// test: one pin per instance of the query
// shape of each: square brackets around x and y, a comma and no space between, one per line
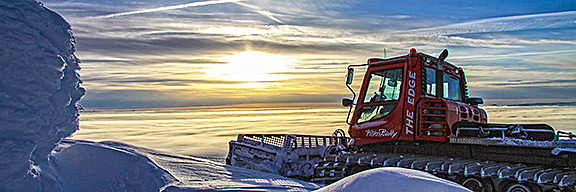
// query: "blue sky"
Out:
[178,53]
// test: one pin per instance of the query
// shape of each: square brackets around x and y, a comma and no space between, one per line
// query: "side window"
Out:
[452,89]
[430,81]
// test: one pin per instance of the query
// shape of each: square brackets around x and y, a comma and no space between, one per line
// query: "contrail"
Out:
[494,57]
[563,19]
[264,13]
[194,4]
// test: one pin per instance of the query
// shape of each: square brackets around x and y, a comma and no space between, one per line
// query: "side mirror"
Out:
[475,101]
[349,76]
[347,102]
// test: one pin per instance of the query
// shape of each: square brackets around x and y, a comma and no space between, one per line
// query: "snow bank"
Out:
[393,179]
[201,174]
[39,87]
[88,166]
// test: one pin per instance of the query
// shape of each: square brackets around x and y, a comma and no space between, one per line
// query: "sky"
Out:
[166,53]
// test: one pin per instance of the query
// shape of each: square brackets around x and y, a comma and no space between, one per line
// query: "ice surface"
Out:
[393,179]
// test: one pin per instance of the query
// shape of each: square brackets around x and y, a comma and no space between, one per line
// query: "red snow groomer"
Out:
[413,111]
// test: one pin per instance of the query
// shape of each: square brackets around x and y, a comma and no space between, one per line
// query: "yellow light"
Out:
[252,66]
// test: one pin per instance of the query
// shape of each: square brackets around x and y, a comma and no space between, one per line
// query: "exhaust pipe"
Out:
[440,74]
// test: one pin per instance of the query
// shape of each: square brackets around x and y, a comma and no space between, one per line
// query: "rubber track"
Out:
[335,167]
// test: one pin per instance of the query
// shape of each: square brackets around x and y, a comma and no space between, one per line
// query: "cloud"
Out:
[500,56]
[546,104]
[535,93]
[264,13]
[151,98]
[539,82]
[556,20]
[166,8]
[163,54]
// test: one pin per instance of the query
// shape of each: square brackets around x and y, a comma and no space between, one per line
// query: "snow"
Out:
[39,87]
[114,166]
[87,166]
[195,173]
[393,179]
[39,90]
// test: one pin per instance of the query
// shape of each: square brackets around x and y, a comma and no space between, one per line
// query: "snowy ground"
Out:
[113,166]
[393,179]
[194,173]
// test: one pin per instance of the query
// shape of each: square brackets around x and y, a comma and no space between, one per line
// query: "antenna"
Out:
[385,53]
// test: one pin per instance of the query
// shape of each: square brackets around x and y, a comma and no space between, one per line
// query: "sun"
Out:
[252,67]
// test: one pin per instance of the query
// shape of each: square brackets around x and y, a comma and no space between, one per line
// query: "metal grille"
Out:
[311,141]
[266,140]
[290,141]
[273,140]
[433,119]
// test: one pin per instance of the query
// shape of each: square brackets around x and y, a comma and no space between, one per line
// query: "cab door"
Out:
[378,115]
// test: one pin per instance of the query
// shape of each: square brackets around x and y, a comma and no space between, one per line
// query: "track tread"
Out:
[339,166]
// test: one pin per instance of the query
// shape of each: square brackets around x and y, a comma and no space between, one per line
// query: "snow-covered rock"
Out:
[393,179]
[39,88]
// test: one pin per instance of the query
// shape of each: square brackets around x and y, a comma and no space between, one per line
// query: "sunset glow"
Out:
[254,68]
[214,52]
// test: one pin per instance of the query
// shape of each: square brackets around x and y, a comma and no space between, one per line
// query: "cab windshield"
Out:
[383,86]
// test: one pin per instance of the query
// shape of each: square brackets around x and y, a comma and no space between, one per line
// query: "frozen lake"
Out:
[205,131]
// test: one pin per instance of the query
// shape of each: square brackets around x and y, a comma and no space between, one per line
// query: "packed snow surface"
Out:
[393,179]
[113,166]
[87,166]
